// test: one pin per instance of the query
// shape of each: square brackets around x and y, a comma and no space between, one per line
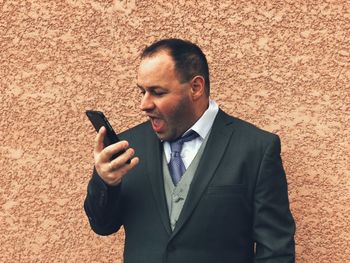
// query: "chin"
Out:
[162,136]
[166,136]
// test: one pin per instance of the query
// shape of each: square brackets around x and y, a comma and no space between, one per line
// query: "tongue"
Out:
[157,124]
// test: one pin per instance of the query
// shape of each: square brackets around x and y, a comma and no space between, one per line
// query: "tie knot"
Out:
[176,146]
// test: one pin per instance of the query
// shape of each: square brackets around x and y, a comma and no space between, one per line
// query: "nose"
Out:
[147,103]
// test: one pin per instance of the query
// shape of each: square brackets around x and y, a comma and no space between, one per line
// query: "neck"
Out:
[202,106]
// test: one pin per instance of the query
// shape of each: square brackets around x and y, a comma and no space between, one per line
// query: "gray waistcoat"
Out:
[176,195]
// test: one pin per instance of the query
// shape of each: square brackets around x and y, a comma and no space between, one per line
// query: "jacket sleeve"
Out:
[103,206]
[273,224]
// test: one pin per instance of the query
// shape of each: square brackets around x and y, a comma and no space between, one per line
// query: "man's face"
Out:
[166,101]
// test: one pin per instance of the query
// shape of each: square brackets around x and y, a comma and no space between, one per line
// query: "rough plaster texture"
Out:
[283,65]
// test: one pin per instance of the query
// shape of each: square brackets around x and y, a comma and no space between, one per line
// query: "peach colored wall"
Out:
[283,65]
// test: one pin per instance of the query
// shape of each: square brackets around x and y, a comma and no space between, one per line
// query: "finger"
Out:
[122,159]
[115,176]
[99,140]
[110,150]
[127,167]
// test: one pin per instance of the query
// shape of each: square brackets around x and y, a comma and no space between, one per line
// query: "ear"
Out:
[197,87]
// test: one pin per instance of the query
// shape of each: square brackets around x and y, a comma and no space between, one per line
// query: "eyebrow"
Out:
[150,88]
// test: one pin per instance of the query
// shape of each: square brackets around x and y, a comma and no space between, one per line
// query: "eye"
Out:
[158,93]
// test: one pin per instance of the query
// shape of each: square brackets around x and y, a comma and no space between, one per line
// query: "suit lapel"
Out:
[155,174]
[214,150]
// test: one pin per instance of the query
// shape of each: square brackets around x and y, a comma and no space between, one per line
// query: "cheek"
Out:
[182,111]
[175,108]
[168,107]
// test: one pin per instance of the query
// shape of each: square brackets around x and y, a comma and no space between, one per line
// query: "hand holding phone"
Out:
[98,119]
[108,147]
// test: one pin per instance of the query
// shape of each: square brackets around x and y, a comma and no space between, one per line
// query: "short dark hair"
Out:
[189,59]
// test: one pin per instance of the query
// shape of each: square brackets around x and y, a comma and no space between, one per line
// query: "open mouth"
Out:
[158,124]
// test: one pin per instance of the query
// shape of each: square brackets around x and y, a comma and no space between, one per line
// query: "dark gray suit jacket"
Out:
[238,198]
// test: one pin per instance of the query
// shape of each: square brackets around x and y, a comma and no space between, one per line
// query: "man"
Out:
[221,198]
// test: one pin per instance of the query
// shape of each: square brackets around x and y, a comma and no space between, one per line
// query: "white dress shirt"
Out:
[202,127]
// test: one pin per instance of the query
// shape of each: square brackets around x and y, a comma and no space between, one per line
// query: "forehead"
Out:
[158,67]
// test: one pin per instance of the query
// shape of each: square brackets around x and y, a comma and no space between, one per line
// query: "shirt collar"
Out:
[205,122]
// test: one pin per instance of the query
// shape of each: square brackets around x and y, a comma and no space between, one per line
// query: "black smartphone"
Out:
[98,119]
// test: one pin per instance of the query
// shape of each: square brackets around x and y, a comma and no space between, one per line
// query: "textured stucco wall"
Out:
[283,65]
